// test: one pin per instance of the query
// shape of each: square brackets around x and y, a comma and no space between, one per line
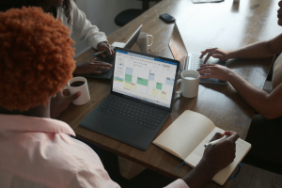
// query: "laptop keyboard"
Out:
[109,59]
[140,114]
[196,62]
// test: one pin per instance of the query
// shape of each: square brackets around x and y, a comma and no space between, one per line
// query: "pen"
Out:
[216,141]
[97,53]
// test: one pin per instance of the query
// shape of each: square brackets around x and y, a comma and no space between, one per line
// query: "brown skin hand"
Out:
[215,158]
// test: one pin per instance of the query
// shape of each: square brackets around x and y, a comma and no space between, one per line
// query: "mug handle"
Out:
[152,41]
[179,81]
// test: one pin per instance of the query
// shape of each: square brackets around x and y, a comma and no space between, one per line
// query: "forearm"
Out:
[253,51]
[199,176]
[216,157]
[257,98]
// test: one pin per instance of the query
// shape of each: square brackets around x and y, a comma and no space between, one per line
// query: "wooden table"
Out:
[226,25]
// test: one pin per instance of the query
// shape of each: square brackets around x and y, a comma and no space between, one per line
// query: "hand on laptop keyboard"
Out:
[104,46]
[92,67]
[215,53]
[103,73]
[110,60]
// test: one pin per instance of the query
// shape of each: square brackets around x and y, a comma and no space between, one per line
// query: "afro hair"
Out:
[36,58]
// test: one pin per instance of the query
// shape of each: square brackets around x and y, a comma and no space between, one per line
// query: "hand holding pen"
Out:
[104,47]
[215,141]
[217,155]
[221,150]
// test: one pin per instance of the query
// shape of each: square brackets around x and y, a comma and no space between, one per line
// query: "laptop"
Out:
[107,74]
[140,101]
[190,61]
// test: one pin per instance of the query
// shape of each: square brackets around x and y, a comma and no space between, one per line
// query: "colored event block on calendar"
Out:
[163,95]
[169,81]
[151,76]
[128,78]
[118,79]
[155,92]
[130,86]
[159,86]
[142,81]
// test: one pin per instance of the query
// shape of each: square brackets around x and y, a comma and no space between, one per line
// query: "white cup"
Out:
[79,84]
[189,83]
[143,43]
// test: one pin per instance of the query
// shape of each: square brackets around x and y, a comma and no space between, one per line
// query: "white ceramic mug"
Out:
[143,43]
[189,83]
[79,84]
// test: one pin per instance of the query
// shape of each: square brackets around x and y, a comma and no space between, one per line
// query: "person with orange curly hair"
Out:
[36,62]
[73,18]
[37,151]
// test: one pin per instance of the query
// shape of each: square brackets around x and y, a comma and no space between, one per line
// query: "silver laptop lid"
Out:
[148,78]
[177,47]
[133,38]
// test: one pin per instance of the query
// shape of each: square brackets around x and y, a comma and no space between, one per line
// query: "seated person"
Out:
[265,133]
[76,21]
[37,151]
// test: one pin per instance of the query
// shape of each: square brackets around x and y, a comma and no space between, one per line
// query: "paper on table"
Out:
[186,137]
[118,44]
[185,133]
[242,148]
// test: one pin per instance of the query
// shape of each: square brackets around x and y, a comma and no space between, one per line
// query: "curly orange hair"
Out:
[36,58]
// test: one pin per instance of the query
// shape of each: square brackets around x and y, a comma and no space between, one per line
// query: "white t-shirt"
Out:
[80,26]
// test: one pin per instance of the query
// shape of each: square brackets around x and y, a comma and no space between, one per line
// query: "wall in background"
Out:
[102,14]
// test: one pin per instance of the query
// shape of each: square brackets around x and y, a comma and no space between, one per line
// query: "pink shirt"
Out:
[38,152]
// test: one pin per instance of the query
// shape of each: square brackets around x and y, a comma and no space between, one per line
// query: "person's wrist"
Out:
[102,43]
[208,167]
[231,76]
[230,55]
[99,44]
[200,175]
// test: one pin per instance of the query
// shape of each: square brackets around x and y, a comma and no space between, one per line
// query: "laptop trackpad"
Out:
[118,128]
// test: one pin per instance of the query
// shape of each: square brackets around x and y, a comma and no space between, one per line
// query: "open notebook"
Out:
[186,136]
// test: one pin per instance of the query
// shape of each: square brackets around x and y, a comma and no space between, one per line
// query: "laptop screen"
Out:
[144,77]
